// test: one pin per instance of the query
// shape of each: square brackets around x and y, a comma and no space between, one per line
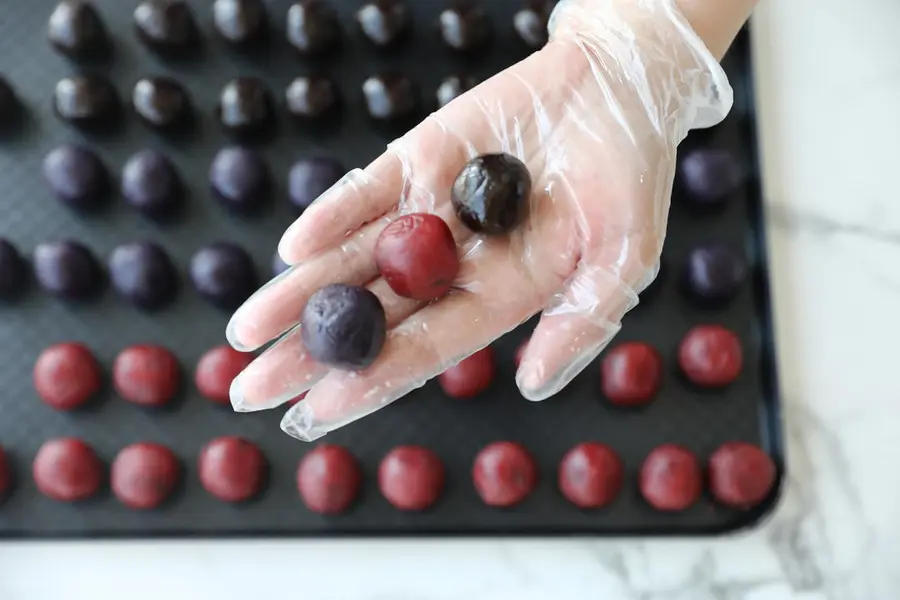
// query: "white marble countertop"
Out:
[829,88]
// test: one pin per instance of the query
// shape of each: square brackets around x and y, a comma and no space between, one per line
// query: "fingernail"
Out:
[299,423]
[231,334]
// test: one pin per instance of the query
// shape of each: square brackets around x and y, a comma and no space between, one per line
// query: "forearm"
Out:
[716,22]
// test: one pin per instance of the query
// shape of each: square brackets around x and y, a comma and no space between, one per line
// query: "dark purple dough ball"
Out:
[13,274]
[710,175]
[67,270]
[311,177]
[278,265]
[76,176]
[715,271]
[143,274]
[151,184]
[223,274]
[344,326]
[240,179]
[452,87]
[383,22]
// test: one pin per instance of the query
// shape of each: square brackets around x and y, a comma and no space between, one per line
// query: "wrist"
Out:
[650,51]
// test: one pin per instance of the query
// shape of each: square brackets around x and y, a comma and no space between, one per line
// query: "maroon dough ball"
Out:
[67,470]
[710,356]
[631,374]
[469,377]
[416,256]
[5,474]
[329,479]
[671,479]
[590,475]
[66,375]
[741,475]
[144,475]
[411,477]
[504,474]
[216,369]
[232,469]
[147,375]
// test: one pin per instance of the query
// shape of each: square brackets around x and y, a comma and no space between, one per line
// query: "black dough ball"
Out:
[383,22]
[240,179]
[344,326]
[240,22]
[151,184]
[143,274]
[9,104]
[530,23]
[453,87]
[67,270]
[161,103]
[13,271]
[491,193]
[76,177]
[390,96]
[313,28]
[223,274]
[76,30]
[311,97]
[715,272]
[310,178]
[165,26]
[245,106]
[465,26]
[85,100]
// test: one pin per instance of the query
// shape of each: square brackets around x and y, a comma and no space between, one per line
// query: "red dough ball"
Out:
[590,475]
[5,474]
[504,474]
[67,470]
[671,479]
[232,469]
[66,375]
[144,475]
[741,475]
[294,401]
[329,479]
[411,477]
[710,356]
[631,374]
[217,369]
[469,377]
[416,255]
[146,374]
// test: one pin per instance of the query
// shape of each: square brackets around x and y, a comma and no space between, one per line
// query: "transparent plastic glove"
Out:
[596,117]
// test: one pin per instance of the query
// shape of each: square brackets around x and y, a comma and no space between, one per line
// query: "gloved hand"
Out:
[596,116]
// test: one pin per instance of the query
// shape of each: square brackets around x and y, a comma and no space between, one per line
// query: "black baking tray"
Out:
[456,430]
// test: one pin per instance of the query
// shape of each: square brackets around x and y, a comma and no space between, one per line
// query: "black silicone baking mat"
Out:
[455,430]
